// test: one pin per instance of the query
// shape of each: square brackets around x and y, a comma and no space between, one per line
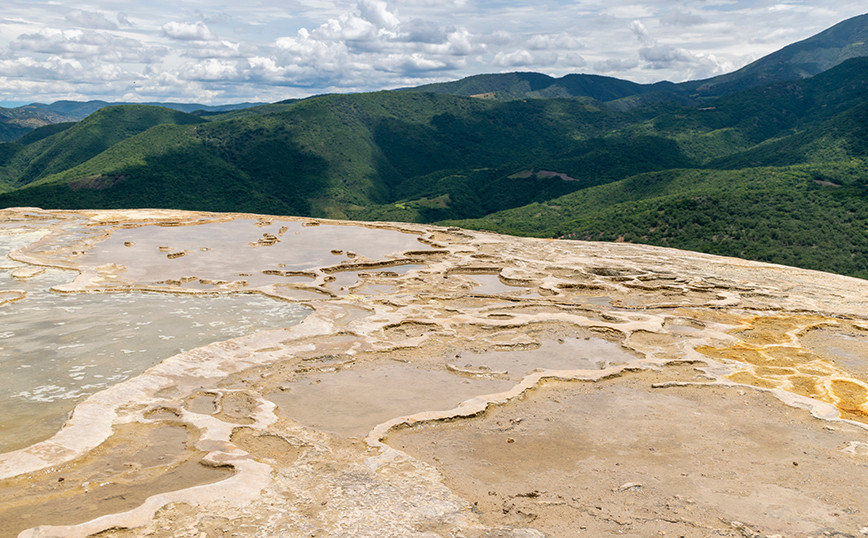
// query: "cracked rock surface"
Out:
[450,383]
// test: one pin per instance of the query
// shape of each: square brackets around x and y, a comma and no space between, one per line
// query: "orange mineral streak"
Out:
[774,356]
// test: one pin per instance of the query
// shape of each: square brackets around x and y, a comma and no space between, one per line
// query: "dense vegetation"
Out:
[18,121]
[775,173]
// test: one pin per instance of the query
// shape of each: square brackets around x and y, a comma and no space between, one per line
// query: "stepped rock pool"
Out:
[56,349]
[185,286]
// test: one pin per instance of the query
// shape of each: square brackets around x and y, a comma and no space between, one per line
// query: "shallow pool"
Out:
[56,349]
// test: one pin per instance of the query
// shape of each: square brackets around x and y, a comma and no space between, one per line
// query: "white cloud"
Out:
[641,33]
[457,43]
[415,63]
[525,58]
[423,31]
[57,68]
[378,13]
[560,41]
[212,70]
[629,11]
[572,60]
[75,43]
[197,31]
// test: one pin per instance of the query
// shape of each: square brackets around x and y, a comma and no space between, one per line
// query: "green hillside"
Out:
[513,86]
[812,216]
[797,193]
[39,156]
[774,173]
[18,121]
[336,155]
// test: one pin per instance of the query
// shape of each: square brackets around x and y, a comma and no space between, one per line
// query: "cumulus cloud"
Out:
[347,27]
[196,31]
[660,57]
[572,60]
[377,12]
[219,48]
[414,63]
[560,41]
[524,58]
[304,50]
[57,68]
[457,43]
[213,70]
[370,38]
[641,33]
[657,56]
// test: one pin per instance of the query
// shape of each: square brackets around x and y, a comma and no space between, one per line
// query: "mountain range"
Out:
[18,121]
[766,163]
[847,39]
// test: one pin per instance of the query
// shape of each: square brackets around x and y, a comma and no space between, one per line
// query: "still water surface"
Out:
[56,349]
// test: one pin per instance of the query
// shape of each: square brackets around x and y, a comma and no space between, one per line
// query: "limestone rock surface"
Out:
[449,382]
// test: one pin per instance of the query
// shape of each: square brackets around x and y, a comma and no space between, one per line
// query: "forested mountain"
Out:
[775,173]
[16,122]
[512,86]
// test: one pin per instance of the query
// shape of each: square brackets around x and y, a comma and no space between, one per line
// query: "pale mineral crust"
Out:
[453,383]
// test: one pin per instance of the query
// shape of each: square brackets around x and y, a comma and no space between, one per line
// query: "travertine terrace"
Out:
[452,383]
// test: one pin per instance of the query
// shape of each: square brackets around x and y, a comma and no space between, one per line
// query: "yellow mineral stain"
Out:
[849,394]
[775,358]
[749,378]
[762,331]
[768,371]
[790,355]
[804,385]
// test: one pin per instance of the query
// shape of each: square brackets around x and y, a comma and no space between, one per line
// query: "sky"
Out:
[215,52]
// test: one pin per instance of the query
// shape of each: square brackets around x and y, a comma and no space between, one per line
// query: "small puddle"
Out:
[357,281]
[571,353]
[492,285]
[351,401]
[203,404]
[846,347]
